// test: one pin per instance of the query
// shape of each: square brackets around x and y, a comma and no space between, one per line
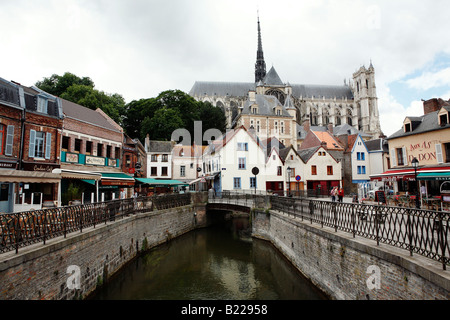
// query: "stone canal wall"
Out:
[72,267]
[348,268]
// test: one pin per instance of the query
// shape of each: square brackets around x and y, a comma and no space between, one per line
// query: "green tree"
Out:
[162,124]
[57,85]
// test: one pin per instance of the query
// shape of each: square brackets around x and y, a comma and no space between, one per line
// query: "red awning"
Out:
[394,175]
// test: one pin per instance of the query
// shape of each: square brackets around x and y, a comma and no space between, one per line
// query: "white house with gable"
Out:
[228,162]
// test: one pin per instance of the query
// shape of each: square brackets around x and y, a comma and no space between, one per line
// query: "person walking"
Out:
[333,194]
[341,194]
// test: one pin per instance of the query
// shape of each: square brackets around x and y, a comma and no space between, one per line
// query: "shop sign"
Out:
[96,161]
[41,167]
[112,162]
[8,165]
[72,157]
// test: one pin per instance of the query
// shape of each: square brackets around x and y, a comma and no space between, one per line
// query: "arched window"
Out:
[278,94]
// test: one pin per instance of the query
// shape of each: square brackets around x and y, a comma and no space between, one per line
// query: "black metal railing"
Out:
[25,228]
[424,232]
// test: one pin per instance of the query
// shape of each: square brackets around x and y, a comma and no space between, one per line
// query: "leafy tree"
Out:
[162,124]
[82,91]
[57,85]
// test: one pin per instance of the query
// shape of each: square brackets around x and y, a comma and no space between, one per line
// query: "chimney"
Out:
[252,96]
[431,105]
[306,125]
[330,127]
[324,145]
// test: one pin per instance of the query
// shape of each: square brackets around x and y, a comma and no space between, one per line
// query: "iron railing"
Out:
[424,232]
[25,228]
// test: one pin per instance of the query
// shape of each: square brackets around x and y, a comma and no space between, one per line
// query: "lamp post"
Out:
[415,164]
[289,180]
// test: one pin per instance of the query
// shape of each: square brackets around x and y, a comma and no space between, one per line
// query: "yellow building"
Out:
[426,139]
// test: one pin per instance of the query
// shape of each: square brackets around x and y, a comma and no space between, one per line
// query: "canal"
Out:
[214,263]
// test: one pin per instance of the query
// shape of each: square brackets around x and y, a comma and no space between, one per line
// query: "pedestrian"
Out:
[333,194]
[341,194]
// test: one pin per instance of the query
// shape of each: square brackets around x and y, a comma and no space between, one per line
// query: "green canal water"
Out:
[213,263]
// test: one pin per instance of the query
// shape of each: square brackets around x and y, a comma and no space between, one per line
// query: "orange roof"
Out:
[324,136]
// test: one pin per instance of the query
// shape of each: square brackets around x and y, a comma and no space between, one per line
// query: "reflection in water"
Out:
[210,264]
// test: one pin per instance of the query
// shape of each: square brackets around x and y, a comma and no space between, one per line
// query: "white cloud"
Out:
[429,80]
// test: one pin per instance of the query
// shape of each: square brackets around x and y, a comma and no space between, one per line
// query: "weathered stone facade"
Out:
[342,266]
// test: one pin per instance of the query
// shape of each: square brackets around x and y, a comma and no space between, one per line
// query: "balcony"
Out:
[83,159]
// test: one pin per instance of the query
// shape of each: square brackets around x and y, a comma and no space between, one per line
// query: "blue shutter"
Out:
[9,141]
[32,143]
[48,145]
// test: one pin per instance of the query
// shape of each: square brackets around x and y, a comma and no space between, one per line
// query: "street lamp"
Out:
[289,180]
[415,164]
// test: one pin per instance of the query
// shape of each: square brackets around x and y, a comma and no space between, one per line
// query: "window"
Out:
[443,119]
[6,139]
[88,147]
[447,152]
[116,151]
[401,156]
[242,146]
[42,104]
[254,110]
[279,171]
[165,158]
[330,170]
[153,171]
[65,143]
[314,170]
[361,170]
[282,126]
[99,149]
[108,151]
[164,171]
[40,144]
[237,183]
[257,126]
[242,164]
[407,127]
[154,158]
[182,171]
[360,156]
[253,182]
[78,145]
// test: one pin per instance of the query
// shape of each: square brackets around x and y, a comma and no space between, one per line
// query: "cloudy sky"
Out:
[139,48]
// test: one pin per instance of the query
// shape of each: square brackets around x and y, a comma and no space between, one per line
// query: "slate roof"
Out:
[377,145]
[272,78]
[78,112]
[266,106]
[160,146]
[306,154]
[241,89]
[425,123]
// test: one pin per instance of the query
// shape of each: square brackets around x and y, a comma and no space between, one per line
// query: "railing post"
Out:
[353,220]
[334,204]
[17,232]
[441,239]
[64,215]
[409,231]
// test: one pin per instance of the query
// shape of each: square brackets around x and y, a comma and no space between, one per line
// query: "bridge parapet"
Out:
[423,232]
[25,228]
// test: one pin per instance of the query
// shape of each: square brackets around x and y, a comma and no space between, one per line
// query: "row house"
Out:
[230,163]
[91,156]
[424,141]
[31,122]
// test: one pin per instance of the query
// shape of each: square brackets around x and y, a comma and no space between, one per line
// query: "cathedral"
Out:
[274,108]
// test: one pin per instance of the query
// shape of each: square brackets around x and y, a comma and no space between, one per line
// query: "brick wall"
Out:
[340,265]
[40,271]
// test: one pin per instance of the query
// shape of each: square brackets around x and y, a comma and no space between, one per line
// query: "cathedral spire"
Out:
[260,66]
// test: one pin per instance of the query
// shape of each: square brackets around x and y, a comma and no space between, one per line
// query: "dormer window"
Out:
[443,119]
[443,116]
[254,110]
[42,104]
[407,127]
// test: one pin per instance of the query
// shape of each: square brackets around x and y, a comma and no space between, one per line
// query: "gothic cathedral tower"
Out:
[366,101]
[260,66]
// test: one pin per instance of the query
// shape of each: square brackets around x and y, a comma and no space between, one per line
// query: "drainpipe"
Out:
[22,127]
